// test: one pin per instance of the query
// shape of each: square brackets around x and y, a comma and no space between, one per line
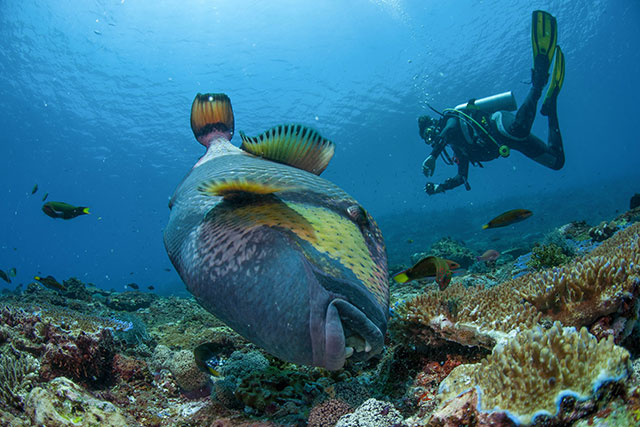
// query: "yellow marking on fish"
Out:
[343,241]
[276,214]
[227,187]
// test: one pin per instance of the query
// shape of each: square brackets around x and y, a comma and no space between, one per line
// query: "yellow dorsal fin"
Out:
[293,145]
[234,187]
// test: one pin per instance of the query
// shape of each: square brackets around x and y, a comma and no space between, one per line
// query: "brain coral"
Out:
[529,375]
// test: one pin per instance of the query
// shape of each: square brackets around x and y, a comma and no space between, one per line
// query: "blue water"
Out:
[95,99]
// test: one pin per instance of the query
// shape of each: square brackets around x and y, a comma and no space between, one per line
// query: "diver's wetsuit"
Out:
[505,128]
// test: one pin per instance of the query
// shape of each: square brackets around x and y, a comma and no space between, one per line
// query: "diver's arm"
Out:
[443,136]
[453,182]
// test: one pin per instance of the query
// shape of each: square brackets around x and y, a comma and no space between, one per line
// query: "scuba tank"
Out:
[503,101]
[473,110]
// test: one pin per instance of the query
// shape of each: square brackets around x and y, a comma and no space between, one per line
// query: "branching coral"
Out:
[531,373]
[17,375]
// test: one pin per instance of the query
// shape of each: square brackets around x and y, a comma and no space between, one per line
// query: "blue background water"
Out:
[95,99]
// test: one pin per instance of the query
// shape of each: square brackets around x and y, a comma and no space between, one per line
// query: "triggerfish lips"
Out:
[292,271]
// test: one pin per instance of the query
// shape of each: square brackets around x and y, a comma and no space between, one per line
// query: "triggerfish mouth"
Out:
[285,258]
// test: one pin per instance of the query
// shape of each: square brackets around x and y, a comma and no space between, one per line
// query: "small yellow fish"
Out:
[63,210]
[429,267]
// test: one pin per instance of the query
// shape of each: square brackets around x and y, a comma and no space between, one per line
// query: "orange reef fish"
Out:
[489,256]
[51,283]
[63,210]
[430,267]
[508,218]
[287,259]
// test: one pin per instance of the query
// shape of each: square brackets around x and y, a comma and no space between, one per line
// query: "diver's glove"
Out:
[430,188]
[429,166]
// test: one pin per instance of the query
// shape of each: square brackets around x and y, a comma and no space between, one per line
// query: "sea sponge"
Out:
[530,374]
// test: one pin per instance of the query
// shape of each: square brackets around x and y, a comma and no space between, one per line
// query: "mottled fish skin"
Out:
[293,271]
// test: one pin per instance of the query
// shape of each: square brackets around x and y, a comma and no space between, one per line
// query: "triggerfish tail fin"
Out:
[293,145]
[233,188]
[401,277]
[212,117]
[85,210]
[484,227]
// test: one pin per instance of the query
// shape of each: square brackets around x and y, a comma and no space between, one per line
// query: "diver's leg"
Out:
[543,38]
[521,126]
[550,154]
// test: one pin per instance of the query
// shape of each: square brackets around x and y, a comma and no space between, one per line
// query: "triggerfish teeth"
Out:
[285,258]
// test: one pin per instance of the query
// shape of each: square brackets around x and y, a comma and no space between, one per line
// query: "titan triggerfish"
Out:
[287,259]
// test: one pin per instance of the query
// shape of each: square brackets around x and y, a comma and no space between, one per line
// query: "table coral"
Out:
[530,374]
[596,285]
[605,281]
[472,316]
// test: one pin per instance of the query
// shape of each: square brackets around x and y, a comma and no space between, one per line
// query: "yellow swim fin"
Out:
[557,79]
[544,36]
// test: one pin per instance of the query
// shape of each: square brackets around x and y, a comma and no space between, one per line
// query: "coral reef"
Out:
[138,366]
[603,231]
[62,403]
[530,374]
[372,413]
[184,369]
[327,413]
[598,284]
[451,249]
[603,282]
[240,365]
[550,255]
[17,376]
[130,300]
[472,316]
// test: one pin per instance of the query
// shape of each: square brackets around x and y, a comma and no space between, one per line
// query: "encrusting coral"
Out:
[531,373]
[603,282]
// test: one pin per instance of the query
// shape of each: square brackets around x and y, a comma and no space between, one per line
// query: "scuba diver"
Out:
[485,129]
